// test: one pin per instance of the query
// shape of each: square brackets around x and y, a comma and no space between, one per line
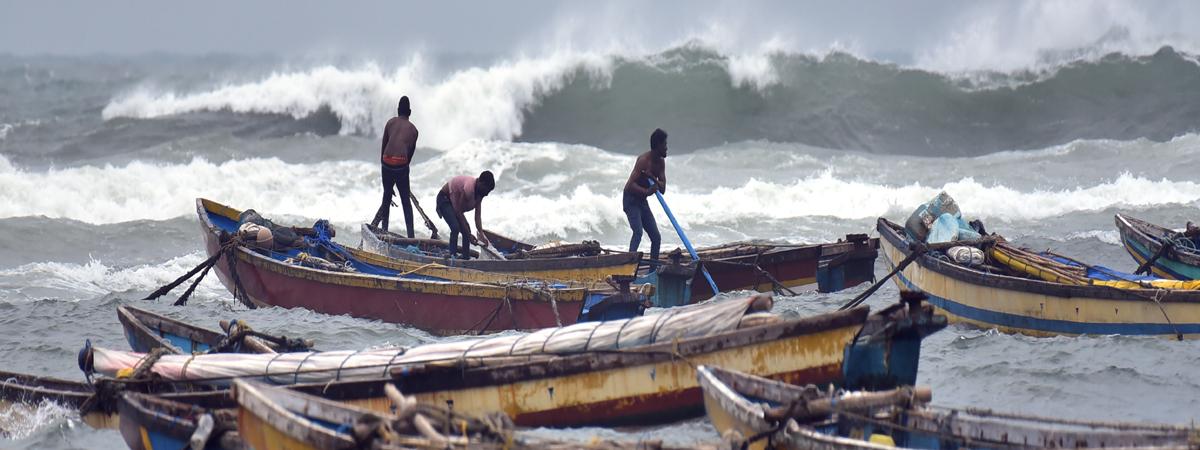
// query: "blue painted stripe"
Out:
[163,441]
[1051,325]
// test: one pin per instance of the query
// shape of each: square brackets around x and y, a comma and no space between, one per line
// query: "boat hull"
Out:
[149,422]
[145,429]
[662,391]
[655,384]
[1039,308]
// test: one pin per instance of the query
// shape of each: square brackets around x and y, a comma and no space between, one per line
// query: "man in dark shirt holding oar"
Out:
[399,144]
[650,165]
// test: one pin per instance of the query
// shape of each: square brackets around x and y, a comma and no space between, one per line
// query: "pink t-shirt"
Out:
[462,193]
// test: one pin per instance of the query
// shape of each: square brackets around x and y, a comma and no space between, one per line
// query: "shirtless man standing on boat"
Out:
[650,165]
[399,144]
[459,195]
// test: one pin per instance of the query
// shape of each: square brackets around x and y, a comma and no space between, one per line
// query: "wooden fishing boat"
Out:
[279,418]
[147,331]
[22,391]
[1037,307]
[439,299]
[150,422]
[656,383]
[1144,241]
[98,402]
[763,267]
[761,413]
[274,418]
[589,264]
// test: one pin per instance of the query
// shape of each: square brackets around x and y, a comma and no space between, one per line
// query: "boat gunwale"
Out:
[134,319]
[615,259]
[24,388]
[782,254]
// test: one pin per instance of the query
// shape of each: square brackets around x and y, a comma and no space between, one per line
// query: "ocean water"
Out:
[101,158]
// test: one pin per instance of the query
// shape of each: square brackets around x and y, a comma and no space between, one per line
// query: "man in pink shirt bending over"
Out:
[459,195]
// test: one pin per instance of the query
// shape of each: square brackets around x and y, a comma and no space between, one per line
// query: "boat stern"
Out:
[887,351]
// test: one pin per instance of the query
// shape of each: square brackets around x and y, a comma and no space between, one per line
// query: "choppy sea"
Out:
[101,159]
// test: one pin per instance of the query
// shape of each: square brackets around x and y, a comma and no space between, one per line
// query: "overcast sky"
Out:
[488,27]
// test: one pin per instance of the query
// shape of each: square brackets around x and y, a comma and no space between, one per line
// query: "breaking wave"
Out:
[706,97]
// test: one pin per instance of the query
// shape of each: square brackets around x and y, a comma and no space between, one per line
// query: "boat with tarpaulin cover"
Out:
[634,371]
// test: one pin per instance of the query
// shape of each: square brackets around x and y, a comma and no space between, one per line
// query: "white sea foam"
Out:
[1111,237]
[95,278]
[544,189]
[21,421]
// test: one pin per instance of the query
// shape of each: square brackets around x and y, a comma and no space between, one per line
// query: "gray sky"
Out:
[395,29]
[375,27]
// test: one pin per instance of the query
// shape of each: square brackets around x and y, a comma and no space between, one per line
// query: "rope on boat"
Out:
[229,246]
[1158,294]
[553,304]
[776,286]
[239,331]
[477,330]
[508,304]
[202,268]
[418,269]
[779,287]
[1145,268]
[917,251]
[428,223]
[554,307]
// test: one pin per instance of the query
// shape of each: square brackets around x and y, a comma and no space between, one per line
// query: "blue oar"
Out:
[686,242]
